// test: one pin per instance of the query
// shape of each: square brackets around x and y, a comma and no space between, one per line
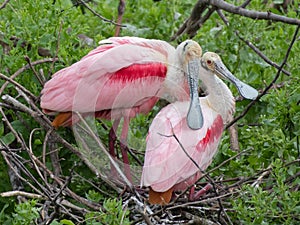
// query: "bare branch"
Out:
[34,71]
[251,13]
[4,4]
[98,15]
[20,193]
[272,82]
[21,70]
[260,54]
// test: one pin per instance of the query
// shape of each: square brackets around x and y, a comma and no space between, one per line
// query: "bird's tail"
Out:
[161,198]
[62,119]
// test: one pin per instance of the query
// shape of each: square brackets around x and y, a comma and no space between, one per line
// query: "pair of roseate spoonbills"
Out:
[126,76]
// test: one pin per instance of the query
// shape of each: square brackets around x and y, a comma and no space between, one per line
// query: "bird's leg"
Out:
[124,148]
[112,143]
[113,138]
[194,196]
[121,9]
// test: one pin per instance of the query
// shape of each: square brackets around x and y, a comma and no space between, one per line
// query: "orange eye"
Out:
[209,62]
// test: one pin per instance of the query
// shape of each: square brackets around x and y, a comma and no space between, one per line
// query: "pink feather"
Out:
[123,75]
[166,164]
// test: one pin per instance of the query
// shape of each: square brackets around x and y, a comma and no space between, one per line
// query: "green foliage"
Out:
[24,214]
[270,130]
[113,214]
[272,206]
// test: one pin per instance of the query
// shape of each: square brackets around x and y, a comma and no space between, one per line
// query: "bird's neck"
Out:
[220,97]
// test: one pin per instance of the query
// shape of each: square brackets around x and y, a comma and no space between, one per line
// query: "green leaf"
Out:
[8,138]
[1,129]
[67,222]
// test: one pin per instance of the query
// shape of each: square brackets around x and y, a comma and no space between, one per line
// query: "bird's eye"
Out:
[209,62]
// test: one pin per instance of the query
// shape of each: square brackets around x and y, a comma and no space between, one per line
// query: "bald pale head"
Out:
[189,50]
[212,62]
[189,53]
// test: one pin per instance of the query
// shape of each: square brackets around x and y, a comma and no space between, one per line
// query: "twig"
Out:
[251,13]
[57,48]
[4,4]
[252,46]
[259,179]
[228,160]
[24,68]
[101,146]
[34,71]
[245,4]
[9,154]
[17,85]
[14,132]
[203,200]
[234,138]
[20,193]
[272,82]
[191,25]
[98,15]
[32,156]
[261,55]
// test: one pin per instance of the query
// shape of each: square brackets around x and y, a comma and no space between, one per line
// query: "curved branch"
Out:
[251,13]
[264,92]
[4,4]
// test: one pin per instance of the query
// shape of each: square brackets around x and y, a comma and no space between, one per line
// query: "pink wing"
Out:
[120,73]
[166,164]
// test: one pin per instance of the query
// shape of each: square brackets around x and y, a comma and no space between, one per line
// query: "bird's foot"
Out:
[195,196]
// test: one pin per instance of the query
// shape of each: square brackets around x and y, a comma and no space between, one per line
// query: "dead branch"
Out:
[20,193]
[261,55]
[98,15]
[234,138]
[21,70]
[4,4]
[264,92]
[251,13]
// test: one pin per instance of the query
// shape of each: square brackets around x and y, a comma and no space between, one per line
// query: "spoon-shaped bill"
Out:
[245,90]
[194,117]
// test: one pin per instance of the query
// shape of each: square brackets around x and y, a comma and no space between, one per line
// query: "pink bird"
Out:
[123,77]
[167,167]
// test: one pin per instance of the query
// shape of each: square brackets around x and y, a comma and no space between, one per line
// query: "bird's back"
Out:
[120,73]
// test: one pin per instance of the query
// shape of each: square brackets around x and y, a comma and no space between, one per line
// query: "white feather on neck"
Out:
[219,96]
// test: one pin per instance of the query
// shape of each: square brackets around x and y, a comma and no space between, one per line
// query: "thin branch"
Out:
[14,132]
[98,15]
[24,68]
[260,54]
[101,146]
[245,4]
[271,84]
[4,4]
[17,85]
[34,71]
[251,13]
[21,193]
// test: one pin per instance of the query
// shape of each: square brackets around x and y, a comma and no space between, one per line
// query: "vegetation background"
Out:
[258,181]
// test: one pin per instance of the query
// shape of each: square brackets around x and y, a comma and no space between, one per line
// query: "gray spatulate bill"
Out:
[194,117]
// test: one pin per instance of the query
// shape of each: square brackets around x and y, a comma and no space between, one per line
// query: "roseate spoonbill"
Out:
[123,77]
[167,167]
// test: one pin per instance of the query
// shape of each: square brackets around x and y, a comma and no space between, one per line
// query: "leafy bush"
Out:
[259,185]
